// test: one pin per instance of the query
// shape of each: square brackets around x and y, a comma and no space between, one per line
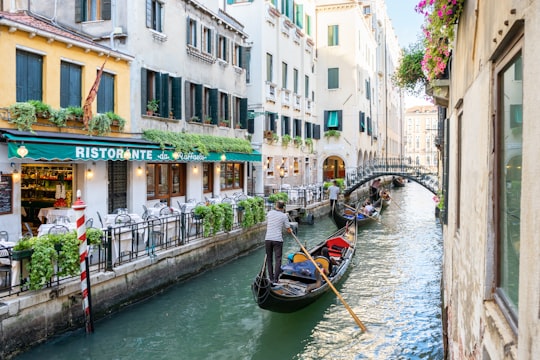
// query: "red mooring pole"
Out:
[79,206]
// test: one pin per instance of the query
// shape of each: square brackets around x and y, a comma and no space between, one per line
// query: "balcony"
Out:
[270,91]
[286,97]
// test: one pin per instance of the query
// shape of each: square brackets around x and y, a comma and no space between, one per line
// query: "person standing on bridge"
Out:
[276,221]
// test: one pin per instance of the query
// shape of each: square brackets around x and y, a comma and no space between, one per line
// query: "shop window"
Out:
[231,175]
[208,177]
[164,181]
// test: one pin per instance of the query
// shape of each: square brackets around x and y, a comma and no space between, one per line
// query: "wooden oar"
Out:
[394,202]
[356,211]
[360,324]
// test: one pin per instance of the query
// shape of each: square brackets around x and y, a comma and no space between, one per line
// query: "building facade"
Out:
[420,132]
[491,261]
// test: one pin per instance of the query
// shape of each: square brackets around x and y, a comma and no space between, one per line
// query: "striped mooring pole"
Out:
[79,206]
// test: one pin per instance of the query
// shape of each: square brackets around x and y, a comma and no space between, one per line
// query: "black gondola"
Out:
[300,284]
[341,217]
[398,181]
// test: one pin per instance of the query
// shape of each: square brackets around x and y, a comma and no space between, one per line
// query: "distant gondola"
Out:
[300,284]
[398,181]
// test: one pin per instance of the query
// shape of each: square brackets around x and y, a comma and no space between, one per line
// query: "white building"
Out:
[421,127]
[281,89]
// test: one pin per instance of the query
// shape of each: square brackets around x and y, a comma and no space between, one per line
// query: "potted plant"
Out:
[23,249]
[279,196]
[74,113]
[224,123]
[297,140]
[59,117]
[228,216]
[285,140]
[152,107]
[309,143]
[274,138]
[100,124]
[116,120]
[332,133]
[43,110]
[194,118]
[248,219]
[207,120]
[23,115]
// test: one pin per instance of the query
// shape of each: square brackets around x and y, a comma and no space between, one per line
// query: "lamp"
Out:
[175,155]
[15,172]
[127,154]
[89,174]
[22,151]
[139,170]
[281,174]
[223,157]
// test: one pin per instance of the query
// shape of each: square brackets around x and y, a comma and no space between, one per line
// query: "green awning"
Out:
[333,120]
[95,149]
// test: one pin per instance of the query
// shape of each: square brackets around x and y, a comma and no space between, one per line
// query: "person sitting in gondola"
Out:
[318,282]
[368,208]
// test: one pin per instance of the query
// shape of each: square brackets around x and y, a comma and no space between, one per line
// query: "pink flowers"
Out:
[440,18]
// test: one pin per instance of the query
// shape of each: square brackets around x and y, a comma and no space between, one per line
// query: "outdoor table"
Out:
[51,213]
[44,228]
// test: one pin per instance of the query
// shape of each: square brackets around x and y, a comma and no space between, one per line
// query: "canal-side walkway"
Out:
[32,317]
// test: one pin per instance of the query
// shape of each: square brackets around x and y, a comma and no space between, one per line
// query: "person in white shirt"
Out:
[333,194]
[277,221]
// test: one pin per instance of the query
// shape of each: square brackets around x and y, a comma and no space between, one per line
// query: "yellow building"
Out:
[42,158]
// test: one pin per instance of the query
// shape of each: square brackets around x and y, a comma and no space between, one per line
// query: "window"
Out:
[308,25]
[70,84]
[164,181]
[306,87]
[295,81]
[192,34]
[224,107]
[333,78]
[237,55]
[333,35]
[299,15]
[231,175]
[285,125]
[362,121]
[284,71]
[29,74]
[208,177]
[92,10]
[206,39]
[154,15]
[509,149]
[368,89]
[269,68]
[222,48]
[287,8]
[105,95]
[163,88]
[332,120]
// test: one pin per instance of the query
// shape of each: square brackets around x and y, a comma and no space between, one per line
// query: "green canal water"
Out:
[393,287]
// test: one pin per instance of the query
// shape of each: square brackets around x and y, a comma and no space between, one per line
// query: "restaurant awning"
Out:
[65,146]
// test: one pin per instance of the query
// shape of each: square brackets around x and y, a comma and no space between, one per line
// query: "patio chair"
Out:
[29,232]
[5,267]
[100,219]
[58,229]
[4,236]
[155,234]
[123,219]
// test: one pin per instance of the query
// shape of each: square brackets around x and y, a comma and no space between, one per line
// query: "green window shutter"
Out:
[332,119]
[333,78]
[105,95]
[106,10]
[64,85]
[176,97]
[163,95]
[214,111]
[188,33]
[230,2]
[340,119]
[199,101]
[316,131]
[299,16]
[243,112]
[144,87]
[226,108]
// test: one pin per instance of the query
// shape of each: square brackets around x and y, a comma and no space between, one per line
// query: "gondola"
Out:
[398,182]
[341,216]
[299,283]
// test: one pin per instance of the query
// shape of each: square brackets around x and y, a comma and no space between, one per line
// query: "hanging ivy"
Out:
[184,142]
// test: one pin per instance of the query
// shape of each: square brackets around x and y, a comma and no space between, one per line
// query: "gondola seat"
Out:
[336,246]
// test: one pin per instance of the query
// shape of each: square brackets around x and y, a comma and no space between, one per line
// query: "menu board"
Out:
[6,194]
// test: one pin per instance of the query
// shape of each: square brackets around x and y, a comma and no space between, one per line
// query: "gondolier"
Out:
[277,221]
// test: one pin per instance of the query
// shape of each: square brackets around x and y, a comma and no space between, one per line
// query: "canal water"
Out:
[393,287]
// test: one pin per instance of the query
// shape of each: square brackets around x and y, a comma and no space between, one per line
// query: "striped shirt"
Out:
[276,222]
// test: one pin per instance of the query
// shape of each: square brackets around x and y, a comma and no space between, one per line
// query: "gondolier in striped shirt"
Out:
[277,221]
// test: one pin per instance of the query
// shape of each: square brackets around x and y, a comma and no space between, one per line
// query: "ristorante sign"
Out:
[39,151]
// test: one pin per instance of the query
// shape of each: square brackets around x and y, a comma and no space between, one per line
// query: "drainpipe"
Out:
[114,29]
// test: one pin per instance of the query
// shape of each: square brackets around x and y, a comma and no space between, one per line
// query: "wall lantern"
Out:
[127,154]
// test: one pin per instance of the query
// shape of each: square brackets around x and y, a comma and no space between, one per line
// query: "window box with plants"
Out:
[22,115]
[297,141]
[285,140]
[43,111]
[332,133]
[224,123]
[116,120]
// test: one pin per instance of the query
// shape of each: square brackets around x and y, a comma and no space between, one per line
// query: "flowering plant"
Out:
[440,17]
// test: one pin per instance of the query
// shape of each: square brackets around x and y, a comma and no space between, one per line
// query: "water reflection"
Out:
[393,287]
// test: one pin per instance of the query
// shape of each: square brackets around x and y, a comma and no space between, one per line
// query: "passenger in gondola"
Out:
[318,277]
[369,209]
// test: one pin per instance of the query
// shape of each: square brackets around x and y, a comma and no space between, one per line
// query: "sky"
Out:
[407,25]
